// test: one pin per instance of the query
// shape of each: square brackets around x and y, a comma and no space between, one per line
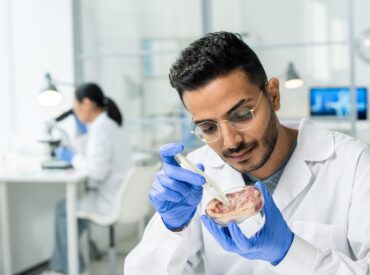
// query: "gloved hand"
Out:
[64,153]
[176,192]
[270,244]
[81,127]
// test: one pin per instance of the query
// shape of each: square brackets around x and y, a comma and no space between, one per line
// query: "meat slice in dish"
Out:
[245,201]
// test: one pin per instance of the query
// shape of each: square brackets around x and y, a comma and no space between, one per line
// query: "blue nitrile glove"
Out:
[81,128]
[64,153]
[270,244]
[176,192]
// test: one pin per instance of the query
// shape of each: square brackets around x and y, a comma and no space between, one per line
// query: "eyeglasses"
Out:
[240,119]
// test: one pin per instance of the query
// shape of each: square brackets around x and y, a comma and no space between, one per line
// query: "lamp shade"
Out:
[49,96]
[293,80]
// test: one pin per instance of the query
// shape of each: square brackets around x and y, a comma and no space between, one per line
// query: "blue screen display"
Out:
[336,102]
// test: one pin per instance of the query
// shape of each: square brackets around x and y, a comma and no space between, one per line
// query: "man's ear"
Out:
[272,90]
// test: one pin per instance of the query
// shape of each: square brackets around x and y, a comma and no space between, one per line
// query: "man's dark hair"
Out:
[211,56]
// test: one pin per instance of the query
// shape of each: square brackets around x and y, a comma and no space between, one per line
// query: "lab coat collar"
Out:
[98,119]
[314,144]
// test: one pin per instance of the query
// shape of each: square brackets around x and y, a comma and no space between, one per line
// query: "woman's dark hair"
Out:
[93,92]
[211,56]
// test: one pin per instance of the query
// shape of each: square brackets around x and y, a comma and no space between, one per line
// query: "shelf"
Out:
[146,53]
[330,119]
[128,54]
[299,45]
[153,120]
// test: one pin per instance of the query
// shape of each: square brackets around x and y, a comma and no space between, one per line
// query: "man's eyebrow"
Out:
[196,122]
[236,106]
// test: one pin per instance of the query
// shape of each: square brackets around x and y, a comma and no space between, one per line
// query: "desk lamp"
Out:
[49,96]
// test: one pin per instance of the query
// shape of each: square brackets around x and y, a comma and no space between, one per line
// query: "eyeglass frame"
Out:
[217,123]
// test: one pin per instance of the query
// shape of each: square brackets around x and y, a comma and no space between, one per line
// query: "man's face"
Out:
[246,151]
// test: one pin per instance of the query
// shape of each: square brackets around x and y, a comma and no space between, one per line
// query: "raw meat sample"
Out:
[245,202]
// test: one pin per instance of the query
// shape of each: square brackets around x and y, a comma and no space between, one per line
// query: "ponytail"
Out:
[113,111]
[93,92]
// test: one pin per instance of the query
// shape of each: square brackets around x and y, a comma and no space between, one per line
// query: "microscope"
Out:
[54,141]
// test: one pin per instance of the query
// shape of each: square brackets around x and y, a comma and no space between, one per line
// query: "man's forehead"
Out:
[204,109]
[219,96]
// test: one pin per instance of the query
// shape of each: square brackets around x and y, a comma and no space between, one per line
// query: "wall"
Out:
[5,72]
[4,79]
[42,42]
[37,39]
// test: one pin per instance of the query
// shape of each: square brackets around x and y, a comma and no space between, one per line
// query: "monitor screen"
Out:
[336,102]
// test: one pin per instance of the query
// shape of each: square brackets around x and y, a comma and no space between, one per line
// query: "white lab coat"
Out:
[323,194]
[105,160]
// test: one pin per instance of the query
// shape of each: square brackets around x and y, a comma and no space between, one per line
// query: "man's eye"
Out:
[241,115]
[207,128]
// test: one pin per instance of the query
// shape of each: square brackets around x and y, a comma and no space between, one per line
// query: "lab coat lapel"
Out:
[295,178]
[314,144]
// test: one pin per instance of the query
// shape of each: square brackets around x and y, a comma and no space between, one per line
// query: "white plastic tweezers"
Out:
[211,186]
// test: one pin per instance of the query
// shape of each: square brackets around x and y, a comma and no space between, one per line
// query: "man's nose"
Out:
[231,137]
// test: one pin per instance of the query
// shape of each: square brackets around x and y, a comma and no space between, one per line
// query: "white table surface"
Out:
[28,174]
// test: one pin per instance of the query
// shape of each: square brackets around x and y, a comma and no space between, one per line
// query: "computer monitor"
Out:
[336,102]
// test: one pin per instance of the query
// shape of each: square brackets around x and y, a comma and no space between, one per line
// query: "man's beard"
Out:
[268,142]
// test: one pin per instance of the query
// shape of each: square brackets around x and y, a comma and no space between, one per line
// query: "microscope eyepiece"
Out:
[64,115]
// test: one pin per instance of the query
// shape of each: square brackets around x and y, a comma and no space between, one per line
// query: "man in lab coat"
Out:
[315,182]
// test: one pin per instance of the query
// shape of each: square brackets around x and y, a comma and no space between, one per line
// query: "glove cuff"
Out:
[174,229]
[180,227]
[286,249]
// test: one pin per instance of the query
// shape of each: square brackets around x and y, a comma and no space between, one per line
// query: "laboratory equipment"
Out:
[54,142]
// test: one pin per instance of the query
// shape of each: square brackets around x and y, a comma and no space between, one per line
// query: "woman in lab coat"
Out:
[315,214]
[103,155]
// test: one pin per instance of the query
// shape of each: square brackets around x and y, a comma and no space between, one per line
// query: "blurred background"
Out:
[127,47]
